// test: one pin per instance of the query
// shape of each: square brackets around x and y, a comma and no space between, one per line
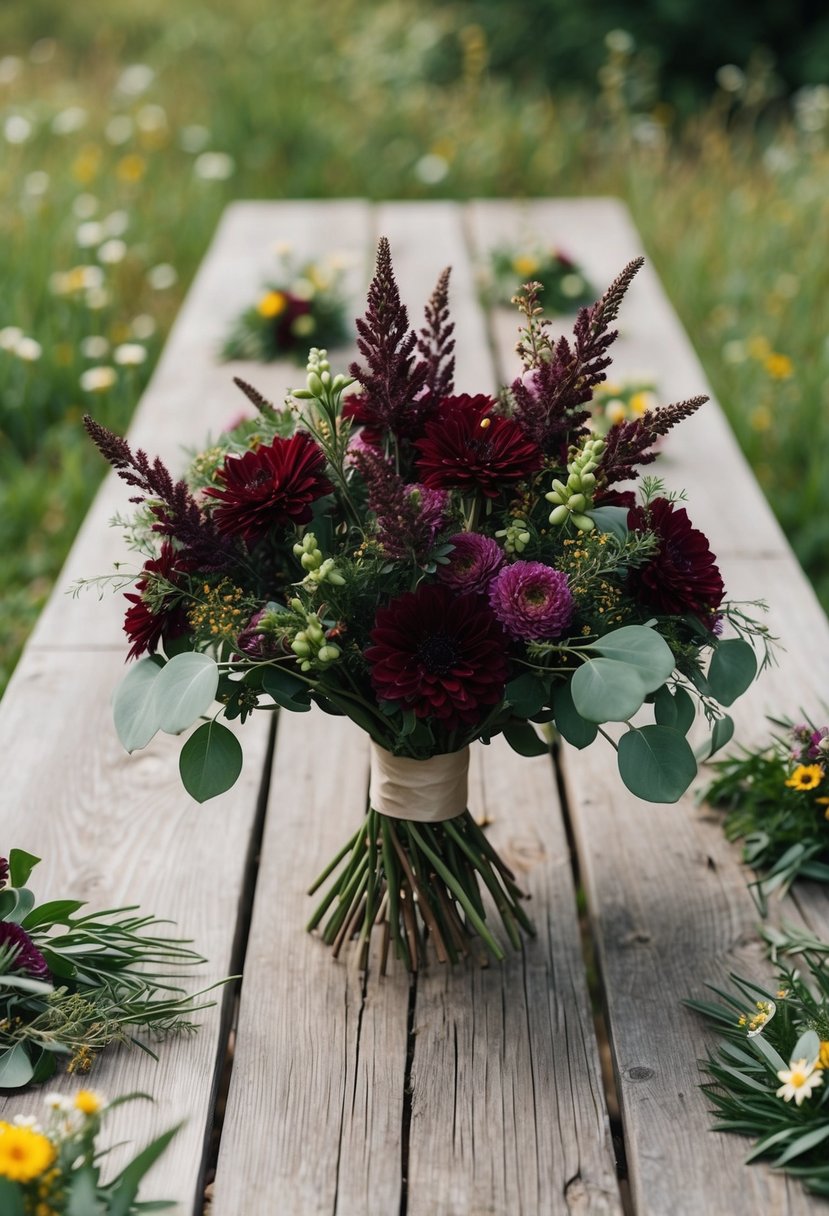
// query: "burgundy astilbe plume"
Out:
[408,516]
[436,343]
[393,379]
[548,400]
[177,513]
[630,443]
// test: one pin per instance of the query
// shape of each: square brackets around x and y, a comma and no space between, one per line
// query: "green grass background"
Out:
[348,98]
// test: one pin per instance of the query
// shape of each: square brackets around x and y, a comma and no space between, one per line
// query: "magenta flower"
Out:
[27,959]
[473,562]
[532,601]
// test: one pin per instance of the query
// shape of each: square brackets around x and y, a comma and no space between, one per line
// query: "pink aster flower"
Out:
[532,601]
[473,562]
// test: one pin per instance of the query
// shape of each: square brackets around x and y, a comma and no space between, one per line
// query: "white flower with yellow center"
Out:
[799,1079]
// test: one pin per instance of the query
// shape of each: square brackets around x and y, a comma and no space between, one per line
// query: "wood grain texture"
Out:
[315,1106]
[670,910]
[117,830]
[508,1109]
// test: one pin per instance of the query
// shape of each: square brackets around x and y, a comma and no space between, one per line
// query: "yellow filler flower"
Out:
[24,1154]
[805,777]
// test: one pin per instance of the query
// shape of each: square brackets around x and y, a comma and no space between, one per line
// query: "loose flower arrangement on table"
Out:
[768,1076]
[71,983]
[564,284]
[302,305]
[777,802]
[52,1167]
[440,568]
[624,401]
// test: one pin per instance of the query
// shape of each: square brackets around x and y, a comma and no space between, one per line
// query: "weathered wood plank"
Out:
[669,908]
[117,830]
[191,393]
[316,1098]
[508,1107]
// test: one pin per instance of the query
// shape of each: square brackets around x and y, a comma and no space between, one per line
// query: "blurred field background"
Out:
[127,125]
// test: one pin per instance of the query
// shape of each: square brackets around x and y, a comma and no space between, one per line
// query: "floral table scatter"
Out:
[564,284]
[776,800]
[440,567]
[51,1165]
[303,304]
[72,982]
[620,401]
[768,1075]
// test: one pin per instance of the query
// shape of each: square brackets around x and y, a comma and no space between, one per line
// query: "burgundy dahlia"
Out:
[27,960]
[532,601]
[4,871]
[439,654]
[683,576]
[273,485]
[468,447]
[473,562]
[146,628]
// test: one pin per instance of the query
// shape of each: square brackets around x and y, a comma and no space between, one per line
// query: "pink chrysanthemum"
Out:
[442,655]
[473,562]
[532,601]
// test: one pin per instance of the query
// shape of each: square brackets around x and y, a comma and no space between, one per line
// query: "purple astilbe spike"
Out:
[630,443]
[549,399]
[436,343]
[393,379]
[178,514]
[254,396]
[408,516]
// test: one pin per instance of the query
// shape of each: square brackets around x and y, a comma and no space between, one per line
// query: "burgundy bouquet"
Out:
[440,568]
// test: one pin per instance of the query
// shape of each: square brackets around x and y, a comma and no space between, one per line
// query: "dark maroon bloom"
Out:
[444,656]
[146,628]
[473,562]
[273,485]
[683,576]
[284,334]
[4,871]
[468,447]
[27,959]
[532,601]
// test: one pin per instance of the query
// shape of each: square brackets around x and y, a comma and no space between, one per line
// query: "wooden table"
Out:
[464,1091]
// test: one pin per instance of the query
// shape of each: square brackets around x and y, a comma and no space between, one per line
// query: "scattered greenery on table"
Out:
[776,801]
[564,286]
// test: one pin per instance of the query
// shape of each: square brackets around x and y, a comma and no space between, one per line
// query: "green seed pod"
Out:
[577,503]
[584,523]
[559,515]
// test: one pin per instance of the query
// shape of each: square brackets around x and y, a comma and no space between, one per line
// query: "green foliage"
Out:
[210,761]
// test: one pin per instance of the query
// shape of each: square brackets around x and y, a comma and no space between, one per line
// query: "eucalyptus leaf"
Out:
[664,707]
[607,690]
[15,1067]
[286,689]
[527,694]
[686,710]
[21,865]
[135,708]
[613,520]
[656,763]
[523,739]
[185,689]
[733,666]
[722,733]
[210,761]
[807,1047]
[569,722]
[642,648]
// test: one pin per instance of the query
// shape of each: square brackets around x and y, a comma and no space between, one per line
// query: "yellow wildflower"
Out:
[525,265]
[86,164]
[24,1154]
[779,367]
[823,1057]
[88,1102]
[131,168]
[761,418]
[805,777]
[272,304]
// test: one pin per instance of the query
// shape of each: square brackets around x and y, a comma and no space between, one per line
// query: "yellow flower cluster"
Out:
[222,613]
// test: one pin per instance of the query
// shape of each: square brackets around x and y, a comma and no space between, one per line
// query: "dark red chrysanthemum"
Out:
[27,959]
[442,655]
[683,576]
[275,484]
[468,447]
[146,628]
[4,871]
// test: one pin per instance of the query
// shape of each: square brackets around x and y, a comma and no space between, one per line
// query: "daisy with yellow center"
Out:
[799,1079]
[271,305]
[805,777]
[24,1153]
[88,1102]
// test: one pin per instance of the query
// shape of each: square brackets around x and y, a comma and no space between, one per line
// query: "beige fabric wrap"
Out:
[427,791]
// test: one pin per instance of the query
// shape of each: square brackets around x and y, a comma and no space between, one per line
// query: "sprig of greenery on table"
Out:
[72,984]
[768,1073]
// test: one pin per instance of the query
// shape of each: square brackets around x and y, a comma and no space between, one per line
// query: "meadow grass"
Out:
[125,129]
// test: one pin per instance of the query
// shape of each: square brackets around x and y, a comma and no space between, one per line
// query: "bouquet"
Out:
[53,1168]
[768,1076]
[777,802]
[440,568]
[305,304]
[565,285]
[71,983]
[615,402]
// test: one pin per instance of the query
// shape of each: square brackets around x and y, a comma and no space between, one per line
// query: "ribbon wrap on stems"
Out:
[422,791]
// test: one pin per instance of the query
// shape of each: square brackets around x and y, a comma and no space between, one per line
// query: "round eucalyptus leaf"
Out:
[569,722]
[523,739]
[135,710]
[185,689]
[607,690]
[733,667]
[210,761]
[642,648]
[527,694]
[15,1067]
[656,763]
[686,710]
[613,520]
